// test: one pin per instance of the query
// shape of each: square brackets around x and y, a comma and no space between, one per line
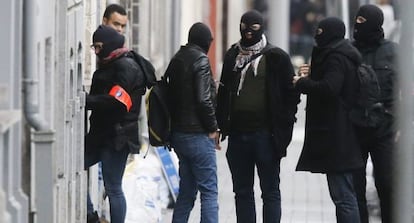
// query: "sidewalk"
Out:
[305,196]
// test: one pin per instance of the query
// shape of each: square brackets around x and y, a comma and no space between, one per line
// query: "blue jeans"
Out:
[198,172]
[245,151]
[343,195]
[113,166]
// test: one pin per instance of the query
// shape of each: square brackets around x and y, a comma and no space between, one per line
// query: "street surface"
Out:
[305,196]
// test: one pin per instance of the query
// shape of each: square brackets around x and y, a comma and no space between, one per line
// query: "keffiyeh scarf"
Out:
[248,57]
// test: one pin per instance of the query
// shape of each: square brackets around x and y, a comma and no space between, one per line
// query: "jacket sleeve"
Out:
[291,95]
[224,92]
[203,93]
[331,82]
[101,100]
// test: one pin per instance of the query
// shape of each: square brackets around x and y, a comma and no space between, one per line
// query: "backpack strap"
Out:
[147,69]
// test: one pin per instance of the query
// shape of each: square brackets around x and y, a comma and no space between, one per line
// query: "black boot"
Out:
[92,217]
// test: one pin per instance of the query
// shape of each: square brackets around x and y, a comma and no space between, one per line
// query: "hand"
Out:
[295,79]
[304,70]
[216,136]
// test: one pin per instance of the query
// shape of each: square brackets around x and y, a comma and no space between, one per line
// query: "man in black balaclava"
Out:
[256,107]
[200,35]
[378,142]
[105,40]
[251,28]
[330,30]
[330,145]
[192,93]
[114,100]
[368,25]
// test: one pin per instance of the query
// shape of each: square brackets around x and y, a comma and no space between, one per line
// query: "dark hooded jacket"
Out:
[281,97]
[381,55]
[377,52]
[330,142]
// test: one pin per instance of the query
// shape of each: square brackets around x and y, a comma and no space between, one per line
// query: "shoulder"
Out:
[125,61]
[271,50]
[387,48]
[232,51]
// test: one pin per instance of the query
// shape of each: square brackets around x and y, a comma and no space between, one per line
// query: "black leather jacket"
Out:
[192,91]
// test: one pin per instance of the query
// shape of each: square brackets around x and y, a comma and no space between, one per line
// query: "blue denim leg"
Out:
[198,172]
[245,151]
[343,195]
[113,166]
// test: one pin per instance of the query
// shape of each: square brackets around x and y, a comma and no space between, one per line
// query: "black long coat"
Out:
[281,96]
[330,142]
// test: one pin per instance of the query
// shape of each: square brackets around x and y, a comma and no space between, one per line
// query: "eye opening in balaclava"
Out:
[110,39]
[200,35]
[369,31]
[329,30]
[251,22]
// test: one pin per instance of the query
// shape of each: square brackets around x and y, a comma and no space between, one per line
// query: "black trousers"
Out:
[378,143]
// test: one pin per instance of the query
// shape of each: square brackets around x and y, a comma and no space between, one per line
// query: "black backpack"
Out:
[367,111]
[158,114]
[146,67]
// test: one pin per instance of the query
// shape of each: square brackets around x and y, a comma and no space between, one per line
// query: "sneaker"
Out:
[92,217]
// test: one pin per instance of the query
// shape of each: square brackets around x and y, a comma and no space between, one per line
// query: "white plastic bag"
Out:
[146,190]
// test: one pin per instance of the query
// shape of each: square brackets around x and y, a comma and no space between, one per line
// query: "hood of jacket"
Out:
[342,46]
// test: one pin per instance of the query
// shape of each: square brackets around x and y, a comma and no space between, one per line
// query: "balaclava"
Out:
[200,35]
[329,30]
[249,18]
[371,30]
[110,38]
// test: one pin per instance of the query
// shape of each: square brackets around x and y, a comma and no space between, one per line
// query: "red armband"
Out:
[121,95]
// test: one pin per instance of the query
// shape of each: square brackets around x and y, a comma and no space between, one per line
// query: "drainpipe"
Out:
[30,96]
[42,156]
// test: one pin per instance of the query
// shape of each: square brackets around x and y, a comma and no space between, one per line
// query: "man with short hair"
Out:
[116,17]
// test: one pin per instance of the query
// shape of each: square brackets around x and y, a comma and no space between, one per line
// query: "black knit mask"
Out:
[329,30]
[200,35]
[110,38]
[251,22]
[369,30]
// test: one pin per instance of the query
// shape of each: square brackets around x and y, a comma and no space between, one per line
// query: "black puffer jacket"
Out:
[109,120]
[330,142]
[192,91]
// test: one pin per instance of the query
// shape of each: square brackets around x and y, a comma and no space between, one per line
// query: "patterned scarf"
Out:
[114,54]
[247,58]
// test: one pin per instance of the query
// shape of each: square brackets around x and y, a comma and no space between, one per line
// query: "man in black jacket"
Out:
[256,108]
[193,125]
[115,100]
[377,142]
[330,145]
